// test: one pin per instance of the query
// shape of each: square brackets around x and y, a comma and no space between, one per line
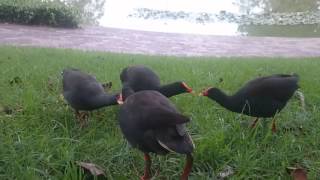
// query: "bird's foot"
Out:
[99,114]
[254,123]
[144,177]
[82,118]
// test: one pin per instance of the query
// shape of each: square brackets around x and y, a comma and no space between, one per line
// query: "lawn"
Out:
[41,139]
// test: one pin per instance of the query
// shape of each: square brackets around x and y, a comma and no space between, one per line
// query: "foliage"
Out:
[38,12]
[90,10]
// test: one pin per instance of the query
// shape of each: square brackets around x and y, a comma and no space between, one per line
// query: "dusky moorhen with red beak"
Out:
[151,123]
[262,97]
[84,93]
[143,78]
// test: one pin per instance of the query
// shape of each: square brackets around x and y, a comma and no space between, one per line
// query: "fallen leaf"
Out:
[92,169]
[225,173]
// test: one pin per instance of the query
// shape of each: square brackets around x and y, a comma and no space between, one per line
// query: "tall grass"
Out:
[41,139]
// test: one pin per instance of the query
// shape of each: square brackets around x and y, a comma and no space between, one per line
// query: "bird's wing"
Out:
[140,78]
[74,78]
[171,140]
[157,117]
[279,88]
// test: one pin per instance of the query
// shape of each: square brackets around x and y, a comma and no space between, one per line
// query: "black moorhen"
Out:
[261,97]
[83,92]
[151,123]
[143,78]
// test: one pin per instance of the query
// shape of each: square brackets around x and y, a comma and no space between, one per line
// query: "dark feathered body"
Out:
[143,78]
[83,92]
[261,97]
[151,123]
[140,78]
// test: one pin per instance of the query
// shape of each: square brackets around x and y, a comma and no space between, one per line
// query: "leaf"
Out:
[91,168]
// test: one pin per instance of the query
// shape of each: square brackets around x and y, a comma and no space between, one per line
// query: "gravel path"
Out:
[142,42]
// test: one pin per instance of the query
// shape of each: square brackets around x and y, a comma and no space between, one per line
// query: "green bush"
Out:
[38,12]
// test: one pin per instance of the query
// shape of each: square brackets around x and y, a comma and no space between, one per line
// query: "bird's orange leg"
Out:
[147,167]
[274,129]
[253,125]
[77,114]
[187,167]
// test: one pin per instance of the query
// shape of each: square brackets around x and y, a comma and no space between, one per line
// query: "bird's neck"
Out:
[105,100]
[171,89]
[224,100]
[126,91]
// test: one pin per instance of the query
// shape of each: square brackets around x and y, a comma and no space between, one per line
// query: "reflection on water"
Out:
[269,6]
[281,31]
[299,18]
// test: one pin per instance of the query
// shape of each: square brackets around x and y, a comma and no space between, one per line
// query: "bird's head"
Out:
[186,87]
[211,91]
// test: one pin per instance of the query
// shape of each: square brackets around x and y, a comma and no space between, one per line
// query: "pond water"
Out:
[291,18]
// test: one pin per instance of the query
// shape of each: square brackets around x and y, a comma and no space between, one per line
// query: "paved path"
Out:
[141,42]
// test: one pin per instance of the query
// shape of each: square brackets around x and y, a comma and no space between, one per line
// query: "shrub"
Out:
[39,12]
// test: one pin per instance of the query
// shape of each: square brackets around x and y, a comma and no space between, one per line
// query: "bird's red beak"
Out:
[204,93]
[188,89]
[120,99]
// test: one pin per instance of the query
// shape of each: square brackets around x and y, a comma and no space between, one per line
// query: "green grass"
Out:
[41,141]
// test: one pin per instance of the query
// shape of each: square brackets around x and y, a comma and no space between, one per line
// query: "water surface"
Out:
[291,18]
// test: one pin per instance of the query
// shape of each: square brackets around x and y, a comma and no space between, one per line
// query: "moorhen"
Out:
[84,93]
[151,123]
[261,97]
[140,78]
